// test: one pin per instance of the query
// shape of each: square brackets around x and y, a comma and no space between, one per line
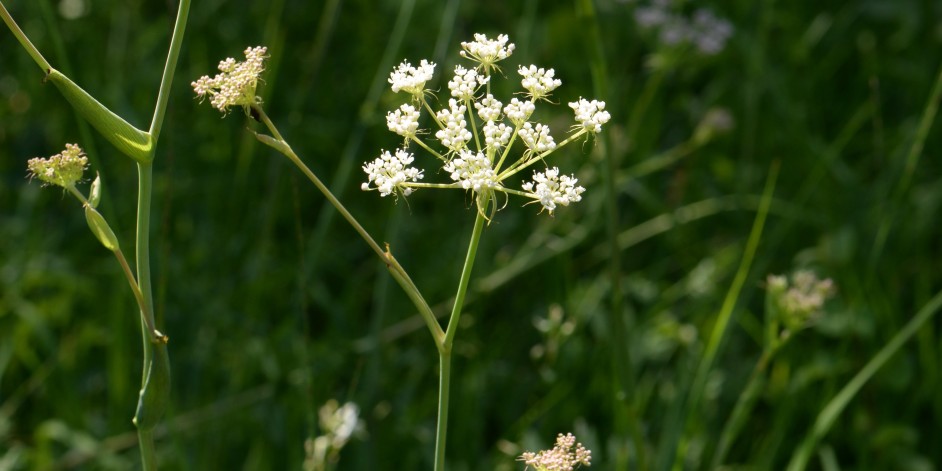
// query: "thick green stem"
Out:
[155,381]
[21,37]
[444,389]
[163,95]
[444,384]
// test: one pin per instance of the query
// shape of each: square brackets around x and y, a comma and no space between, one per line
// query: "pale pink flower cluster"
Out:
[236,82]
[567,455]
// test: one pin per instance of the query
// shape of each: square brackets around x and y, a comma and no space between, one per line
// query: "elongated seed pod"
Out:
[130,140]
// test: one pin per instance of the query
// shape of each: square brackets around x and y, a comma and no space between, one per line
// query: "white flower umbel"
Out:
[390,173]
[551,189]
[478,134]
[472,170]
[519,111]
[236,83]
[590,115]
[496,135]
[487,52]
[64,169]
[466,83]
[488,108]
[404,121]
[454,133]
[538,81]
[537,138]
[411,79]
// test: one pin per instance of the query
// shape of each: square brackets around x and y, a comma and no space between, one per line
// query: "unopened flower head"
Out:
[519,111]
[454,133]
[404,121]
[236,82]
[590,115]
[567,455]
[472,170]
[539,82]
[552,189]
[487,52]
[64,169]
[800,299]
[488,108]
[537,138]
[389,173]
[466,83]
[496,135]
[410,79]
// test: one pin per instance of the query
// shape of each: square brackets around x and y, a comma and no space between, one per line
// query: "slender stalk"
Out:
[741,410]
[163,95]
[398,273]
[444,384]
[145,183]
[21,37]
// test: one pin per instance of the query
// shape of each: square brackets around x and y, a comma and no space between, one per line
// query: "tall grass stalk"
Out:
[829,415]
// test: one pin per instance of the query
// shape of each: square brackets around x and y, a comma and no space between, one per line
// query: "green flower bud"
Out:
[99,227]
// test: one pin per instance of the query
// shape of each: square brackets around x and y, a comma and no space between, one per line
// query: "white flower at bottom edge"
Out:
[551,189]
[389,173]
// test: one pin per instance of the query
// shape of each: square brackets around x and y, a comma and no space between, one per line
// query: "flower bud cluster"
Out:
[799,300]
[567,455]
[236,82]
[64,169]
[389,172]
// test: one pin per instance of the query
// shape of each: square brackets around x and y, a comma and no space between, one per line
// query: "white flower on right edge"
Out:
[591,115]
[551,189]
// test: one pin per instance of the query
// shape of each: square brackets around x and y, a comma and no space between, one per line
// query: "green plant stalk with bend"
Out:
[140,146]
[480,172]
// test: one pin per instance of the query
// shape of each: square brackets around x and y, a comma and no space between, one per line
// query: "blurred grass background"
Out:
[274,307]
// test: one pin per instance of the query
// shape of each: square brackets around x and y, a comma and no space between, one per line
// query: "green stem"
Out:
[741,410]
[444,385]
[163,95]
[395,269]
[21,37]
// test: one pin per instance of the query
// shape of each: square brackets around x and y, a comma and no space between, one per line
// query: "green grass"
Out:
[273,305]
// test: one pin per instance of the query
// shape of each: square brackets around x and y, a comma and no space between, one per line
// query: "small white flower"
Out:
[389,173]
[538,81]
[537,138]
[591,115]
[472,170]
[518,111]
[236,82]
[496,136]
[411,79]
[488,108]
[454,135]
[465,83]
[551,189]
[567,455]
[487,51]
[64,169]
[404,121]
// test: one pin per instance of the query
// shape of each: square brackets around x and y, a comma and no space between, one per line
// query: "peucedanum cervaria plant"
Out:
[479,159]
[476,135]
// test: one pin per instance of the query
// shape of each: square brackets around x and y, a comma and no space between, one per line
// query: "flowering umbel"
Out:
[64,169]
[798,301]
[567,455]
[235,83]
[477,132]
